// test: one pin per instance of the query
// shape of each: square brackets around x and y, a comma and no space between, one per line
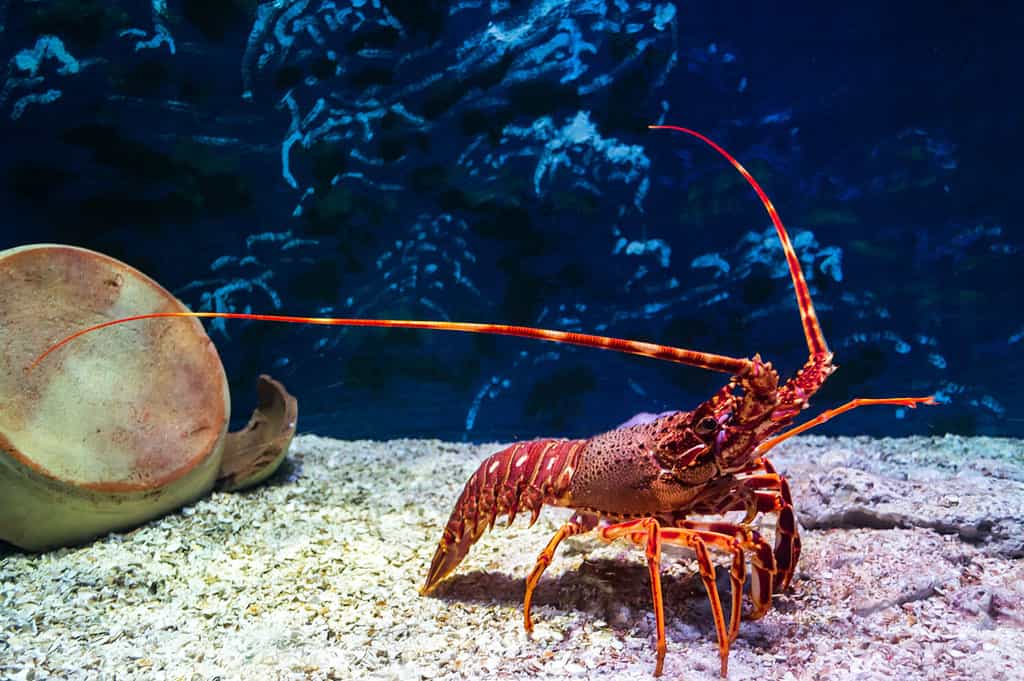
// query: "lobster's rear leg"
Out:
[580,523]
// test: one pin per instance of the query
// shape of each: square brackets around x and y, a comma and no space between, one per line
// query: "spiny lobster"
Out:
[644,482]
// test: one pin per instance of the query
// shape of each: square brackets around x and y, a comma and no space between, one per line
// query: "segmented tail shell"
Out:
[522,477]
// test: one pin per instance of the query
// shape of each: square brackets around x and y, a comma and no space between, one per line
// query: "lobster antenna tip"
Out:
[812,328]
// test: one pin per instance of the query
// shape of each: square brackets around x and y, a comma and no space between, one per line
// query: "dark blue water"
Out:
[489,161]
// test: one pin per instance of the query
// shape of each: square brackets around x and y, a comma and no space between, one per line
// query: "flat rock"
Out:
[855,482]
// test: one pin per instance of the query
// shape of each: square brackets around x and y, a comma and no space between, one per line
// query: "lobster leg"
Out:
[737,575]
[787,533]
[698,540]
[771,495]
[649,532]
[579,524]
[729,537]
[760,489]
[737,572]
[646,531]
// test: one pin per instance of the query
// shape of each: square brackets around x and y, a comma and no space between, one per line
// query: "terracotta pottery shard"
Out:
[252,454]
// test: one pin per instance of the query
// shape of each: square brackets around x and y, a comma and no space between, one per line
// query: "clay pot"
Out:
[121,425]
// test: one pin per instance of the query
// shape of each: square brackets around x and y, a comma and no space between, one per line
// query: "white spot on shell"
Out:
[521,460]
[493,467]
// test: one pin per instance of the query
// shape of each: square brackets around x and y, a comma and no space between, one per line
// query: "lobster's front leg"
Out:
[766,491]
[737,538]
[787,535]
[648,532]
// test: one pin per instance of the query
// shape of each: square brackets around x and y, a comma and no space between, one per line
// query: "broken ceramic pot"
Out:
[121,425]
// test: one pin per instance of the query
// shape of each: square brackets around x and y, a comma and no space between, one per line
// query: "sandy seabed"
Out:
[911,569]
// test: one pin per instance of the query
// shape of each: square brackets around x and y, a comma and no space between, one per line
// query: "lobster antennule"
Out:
[703,360]
[812,328]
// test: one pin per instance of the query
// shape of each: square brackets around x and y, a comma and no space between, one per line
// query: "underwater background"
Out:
[488,160]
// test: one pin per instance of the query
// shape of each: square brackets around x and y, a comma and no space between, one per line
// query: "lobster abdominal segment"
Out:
[522,477]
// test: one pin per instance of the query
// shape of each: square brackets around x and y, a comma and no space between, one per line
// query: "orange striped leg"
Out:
[727,536]
[699,541]
[737,571]
[787,536]
[577,525]
[737,575]
[645,531]
[648,531]
[787,532]
[771,495]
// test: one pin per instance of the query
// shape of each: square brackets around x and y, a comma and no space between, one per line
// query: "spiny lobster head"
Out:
[764,408]
[687,444]
[720,436]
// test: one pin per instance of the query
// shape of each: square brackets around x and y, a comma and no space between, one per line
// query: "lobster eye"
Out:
[707,426]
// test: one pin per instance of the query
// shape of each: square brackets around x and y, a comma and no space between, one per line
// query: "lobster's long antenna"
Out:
[812,329]
[704,360]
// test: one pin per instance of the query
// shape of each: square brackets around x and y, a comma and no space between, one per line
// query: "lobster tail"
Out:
[522,477]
